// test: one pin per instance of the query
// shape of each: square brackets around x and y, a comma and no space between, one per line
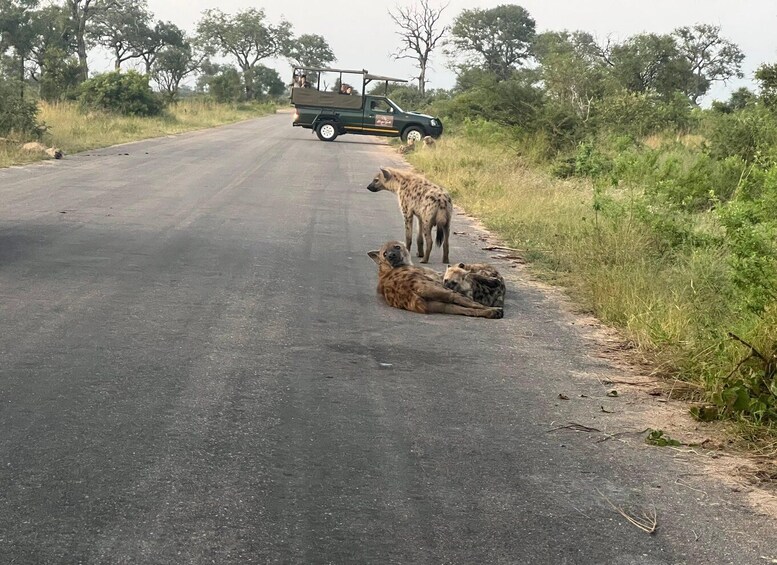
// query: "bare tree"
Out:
[420,32]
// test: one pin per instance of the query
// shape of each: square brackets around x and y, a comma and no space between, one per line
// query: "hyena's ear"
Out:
[461,265]
[374,255]
[386,173]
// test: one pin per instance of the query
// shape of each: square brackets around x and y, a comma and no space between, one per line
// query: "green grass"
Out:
[73,130]
[675,304]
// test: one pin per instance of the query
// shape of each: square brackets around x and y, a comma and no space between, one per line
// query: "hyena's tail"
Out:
[443,222]
[440,234]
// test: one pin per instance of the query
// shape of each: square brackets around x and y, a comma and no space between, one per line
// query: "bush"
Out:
[640,115]
[17,114]
[123,93]
[226,86]
[750,133]
[61,76]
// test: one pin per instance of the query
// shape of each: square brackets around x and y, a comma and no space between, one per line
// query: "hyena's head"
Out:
[382,181]
[393,254]
[457,279]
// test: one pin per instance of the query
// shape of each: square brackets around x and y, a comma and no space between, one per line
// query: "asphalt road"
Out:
[194,368]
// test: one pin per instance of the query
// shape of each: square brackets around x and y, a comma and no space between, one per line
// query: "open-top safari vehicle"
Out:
[338,108]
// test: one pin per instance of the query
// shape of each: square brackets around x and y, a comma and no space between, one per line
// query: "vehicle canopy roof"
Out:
[364,72]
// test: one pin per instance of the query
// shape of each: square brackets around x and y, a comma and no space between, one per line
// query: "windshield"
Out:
[396,106]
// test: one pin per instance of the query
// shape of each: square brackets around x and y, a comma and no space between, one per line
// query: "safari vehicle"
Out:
[340,109]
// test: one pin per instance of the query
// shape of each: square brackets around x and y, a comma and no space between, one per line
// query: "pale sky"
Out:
[362,35]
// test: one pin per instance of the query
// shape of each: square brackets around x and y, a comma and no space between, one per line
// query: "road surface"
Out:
[194,368]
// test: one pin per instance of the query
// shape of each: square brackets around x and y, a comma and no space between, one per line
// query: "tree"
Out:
[119,30]
[420,30]
[149,45]
[81,13]
[711,57]
[267,82]
[17,32]
[766,75]
[172,64]
[53,34]
[309,50]
[651,63]
[245,36]
[225,86]
[740,99]
[572,70]
[499,39]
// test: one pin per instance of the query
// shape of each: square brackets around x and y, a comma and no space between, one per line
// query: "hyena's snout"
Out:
[395,256]
[373,187]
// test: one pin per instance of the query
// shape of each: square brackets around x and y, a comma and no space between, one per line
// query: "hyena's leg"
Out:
[427,229]
[409,231]
[434,307]
[438,293]
[420,238]
[447,232]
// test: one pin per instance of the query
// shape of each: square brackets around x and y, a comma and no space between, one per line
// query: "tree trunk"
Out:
[21,76]
[79,15]
[249,83]
[422,80]
[81,48]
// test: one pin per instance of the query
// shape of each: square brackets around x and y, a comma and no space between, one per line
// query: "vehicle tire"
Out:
[413,132]
[326,131]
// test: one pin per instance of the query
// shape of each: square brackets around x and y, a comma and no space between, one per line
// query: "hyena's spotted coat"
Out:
[418,197]
[419,290]
[480,282]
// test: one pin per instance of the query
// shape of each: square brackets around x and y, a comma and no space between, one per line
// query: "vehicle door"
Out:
[379,116]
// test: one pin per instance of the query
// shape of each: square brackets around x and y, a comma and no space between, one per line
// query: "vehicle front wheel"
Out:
[414,133]
[326,131]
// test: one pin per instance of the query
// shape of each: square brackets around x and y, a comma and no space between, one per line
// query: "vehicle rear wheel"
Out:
[414,133]
[326,131]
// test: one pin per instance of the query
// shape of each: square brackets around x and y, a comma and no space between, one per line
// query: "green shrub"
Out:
[751,233]
[17,114]
[123,93]
[640,115]
[61,76]
[750,133]
[226,86]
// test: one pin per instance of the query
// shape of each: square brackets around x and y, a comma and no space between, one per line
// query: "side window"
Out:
[381,106]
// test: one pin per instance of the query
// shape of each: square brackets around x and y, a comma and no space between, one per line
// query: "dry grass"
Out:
[72,130]
[665,305]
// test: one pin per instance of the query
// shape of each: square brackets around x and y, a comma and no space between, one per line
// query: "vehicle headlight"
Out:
[433,122]
[296,116]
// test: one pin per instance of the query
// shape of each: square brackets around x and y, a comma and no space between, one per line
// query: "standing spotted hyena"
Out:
[423,199]
[480,282]
[419,290]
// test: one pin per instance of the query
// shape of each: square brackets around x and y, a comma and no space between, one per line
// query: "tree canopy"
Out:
[499,39]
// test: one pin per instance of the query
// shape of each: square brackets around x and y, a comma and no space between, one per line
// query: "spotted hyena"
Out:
[480,282]
[418,197]
[417,289]
[404,149]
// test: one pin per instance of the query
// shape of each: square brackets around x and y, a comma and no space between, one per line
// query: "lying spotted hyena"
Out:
[478,281]
[419,290]
[421,198]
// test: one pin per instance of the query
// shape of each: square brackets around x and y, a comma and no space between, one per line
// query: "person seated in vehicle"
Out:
[346,89]
[379,106]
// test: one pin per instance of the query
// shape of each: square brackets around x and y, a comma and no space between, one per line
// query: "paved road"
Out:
[194,368]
